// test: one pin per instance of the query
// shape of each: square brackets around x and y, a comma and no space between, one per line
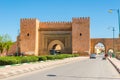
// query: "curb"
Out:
[6,66]
[118,70]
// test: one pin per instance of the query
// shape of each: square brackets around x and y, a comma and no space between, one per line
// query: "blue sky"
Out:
[11,11]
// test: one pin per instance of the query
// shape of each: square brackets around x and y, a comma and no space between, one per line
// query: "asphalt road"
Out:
[90,69]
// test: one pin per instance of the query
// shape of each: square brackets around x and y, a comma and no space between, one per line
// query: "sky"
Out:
[101,21]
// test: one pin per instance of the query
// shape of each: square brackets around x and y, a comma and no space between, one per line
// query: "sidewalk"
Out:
[115,62]
[28,67]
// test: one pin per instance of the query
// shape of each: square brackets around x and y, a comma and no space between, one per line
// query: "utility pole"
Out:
[118,18]
[113,29]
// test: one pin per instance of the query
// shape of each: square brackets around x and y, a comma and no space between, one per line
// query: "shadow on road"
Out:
[81,77]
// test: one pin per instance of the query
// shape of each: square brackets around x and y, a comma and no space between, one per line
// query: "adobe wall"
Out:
[80,35]
[55,26]
[107,42]
[28,38]
[47,37]
[51,31]
[35,36]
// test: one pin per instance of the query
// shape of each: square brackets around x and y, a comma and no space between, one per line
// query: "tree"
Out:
[5,43]
[1,44]
[8,45]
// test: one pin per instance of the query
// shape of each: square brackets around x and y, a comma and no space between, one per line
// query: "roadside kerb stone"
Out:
[116,63]
[24,68]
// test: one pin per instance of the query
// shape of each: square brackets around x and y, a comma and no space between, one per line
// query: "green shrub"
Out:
[29,59]
[66,55]
[8,60]
[50,57]
[16,60]
[42,58]
[59,57]
[24,59]
[33,58]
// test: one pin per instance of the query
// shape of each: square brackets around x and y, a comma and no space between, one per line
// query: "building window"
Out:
[80,34]
[28,34]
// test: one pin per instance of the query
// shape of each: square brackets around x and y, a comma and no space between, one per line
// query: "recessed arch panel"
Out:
[56,42]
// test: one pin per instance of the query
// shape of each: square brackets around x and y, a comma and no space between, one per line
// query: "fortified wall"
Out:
[38,38]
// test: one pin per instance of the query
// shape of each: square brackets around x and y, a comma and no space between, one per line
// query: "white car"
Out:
[93,56]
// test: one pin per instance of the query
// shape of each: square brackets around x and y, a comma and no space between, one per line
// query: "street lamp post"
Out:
[118,17]
[113,29]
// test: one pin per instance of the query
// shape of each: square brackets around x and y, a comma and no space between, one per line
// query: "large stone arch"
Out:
[99,47]
[54,42]
[107,42]
[49,38]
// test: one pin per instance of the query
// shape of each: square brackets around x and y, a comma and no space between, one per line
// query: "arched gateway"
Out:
[56,45]
[110,44]
[39,38]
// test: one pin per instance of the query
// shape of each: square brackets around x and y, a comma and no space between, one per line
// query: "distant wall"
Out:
[107,42]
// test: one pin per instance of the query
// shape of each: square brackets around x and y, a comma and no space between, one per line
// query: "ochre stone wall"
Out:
[46,37]
[28,35]
[107,42]
[36,37]
[13,49]
[55,26]
[80,35]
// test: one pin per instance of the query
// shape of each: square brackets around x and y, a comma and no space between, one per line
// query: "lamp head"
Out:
[110,10]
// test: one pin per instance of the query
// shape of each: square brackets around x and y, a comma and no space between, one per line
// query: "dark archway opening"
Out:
[56,49]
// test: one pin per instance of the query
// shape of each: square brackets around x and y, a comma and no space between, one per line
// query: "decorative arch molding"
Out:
[52,43]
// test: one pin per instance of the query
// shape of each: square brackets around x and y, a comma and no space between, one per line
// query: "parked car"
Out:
[93,56]
[54,52]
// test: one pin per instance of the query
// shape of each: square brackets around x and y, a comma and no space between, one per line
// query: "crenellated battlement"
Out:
[55,26]
[56,22]
[81,19]
[28,19]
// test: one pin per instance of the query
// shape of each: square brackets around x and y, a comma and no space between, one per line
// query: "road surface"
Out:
[89,69]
